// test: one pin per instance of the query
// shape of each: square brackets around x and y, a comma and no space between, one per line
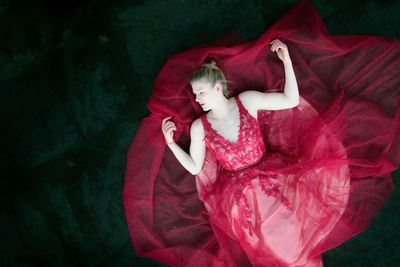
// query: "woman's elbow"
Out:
[195,172]
[294,103]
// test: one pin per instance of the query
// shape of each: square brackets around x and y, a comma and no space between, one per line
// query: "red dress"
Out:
[274,207]
[299,181]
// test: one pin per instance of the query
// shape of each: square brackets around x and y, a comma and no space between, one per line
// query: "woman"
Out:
[279,178]
[210,87]
[251,200]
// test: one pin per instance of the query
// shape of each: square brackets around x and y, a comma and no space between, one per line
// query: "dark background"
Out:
[75,77]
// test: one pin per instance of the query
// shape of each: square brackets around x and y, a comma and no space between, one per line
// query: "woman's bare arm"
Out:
[274,101]
[192,162]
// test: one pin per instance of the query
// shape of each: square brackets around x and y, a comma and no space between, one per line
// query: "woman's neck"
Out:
[223,110]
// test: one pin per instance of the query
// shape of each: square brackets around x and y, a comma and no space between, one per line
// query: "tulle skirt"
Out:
[314,175]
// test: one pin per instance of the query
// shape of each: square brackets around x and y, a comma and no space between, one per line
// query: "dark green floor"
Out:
[75,77]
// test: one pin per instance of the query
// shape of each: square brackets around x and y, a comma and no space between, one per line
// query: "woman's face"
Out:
[206,94]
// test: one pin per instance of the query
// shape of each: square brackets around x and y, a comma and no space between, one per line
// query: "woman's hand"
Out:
[281,50]
[168,128]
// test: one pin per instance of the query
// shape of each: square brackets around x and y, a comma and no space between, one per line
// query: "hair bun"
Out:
[211,64]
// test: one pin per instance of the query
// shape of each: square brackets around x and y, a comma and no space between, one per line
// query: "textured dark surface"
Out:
[75,77]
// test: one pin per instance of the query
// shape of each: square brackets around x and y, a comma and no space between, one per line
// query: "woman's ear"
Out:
[218,86]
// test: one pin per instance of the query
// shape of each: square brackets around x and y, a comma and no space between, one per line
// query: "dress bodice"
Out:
[246,151]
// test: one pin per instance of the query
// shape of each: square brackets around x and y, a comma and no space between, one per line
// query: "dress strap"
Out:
[242,109]
[205,123]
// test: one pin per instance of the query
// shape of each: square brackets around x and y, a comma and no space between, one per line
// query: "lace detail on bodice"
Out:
[249,147]
[240,162]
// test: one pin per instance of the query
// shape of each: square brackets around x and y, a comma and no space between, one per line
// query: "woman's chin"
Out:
[204,107]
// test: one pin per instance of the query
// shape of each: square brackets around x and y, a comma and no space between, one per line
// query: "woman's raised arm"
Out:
[275,101]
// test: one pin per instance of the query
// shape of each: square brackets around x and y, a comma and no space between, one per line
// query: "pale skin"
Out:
[223,113]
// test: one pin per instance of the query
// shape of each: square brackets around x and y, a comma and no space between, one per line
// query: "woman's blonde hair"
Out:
[211,73]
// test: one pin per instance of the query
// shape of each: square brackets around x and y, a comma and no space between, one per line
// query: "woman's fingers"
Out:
[168,127]
[165,123]
[280,48]
[171,130]
[165,119]
[168,124]
[169,133]
[275,47]
[275,41]
[276,44]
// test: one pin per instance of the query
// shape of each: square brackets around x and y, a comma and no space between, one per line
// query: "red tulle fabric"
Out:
[299,181]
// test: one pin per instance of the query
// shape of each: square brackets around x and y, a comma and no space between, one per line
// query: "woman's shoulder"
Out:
[248,98]
[197,122]
[197,127]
